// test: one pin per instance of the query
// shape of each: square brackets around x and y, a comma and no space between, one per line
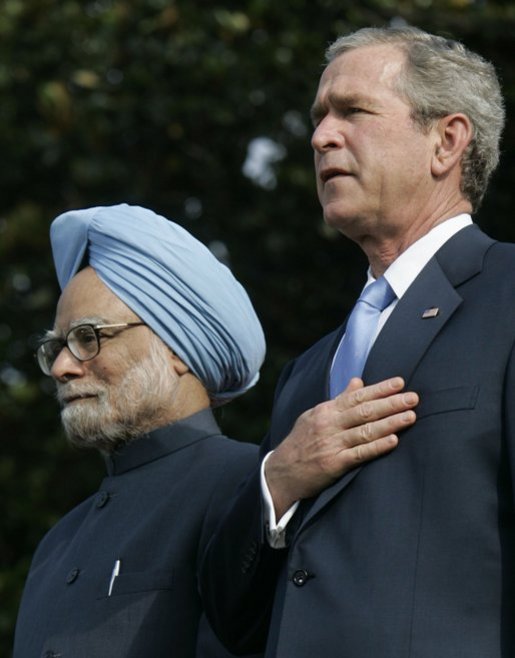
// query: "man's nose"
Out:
[66,366]
[327,135]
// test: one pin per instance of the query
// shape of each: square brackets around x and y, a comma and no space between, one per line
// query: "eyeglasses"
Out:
[83,342]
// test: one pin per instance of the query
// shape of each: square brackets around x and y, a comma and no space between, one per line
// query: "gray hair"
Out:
[442,77]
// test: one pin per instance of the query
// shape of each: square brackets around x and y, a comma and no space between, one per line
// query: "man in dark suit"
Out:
[151,331]
[411,555]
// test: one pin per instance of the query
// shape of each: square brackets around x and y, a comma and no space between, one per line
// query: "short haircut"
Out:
[441,77]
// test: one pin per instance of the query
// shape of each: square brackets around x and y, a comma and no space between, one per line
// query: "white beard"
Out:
[119,413]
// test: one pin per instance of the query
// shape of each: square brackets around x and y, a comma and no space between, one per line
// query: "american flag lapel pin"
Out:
[430,313]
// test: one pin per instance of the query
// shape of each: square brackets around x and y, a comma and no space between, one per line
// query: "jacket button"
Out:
[72,576]
[300,577]
[249,557]
[102,499]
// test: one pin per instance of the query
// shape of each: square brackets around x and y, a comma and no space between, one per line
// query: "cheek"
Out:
[107,370]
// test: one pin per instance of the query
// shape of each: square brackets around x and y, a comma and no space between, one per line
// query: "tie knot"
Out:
[378,294]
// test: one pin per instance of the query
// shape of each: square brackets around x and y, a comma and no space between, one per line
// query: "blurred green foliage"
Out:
[162,103]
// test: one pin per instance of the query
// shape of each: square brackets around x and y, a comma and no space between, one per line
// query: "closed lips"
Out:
[327,174]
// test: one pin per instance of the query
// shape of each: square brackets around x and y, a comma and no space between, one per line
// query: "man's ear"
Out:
[453,134]
[178,364]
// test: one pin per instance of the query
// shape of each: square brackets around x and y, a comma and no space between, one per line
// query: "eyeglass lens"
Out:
[82,342]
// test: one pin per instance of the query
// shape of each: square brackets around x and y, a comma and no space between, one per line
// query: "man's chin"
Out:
[336,220]
[106,440]
[345,220]
[88,427]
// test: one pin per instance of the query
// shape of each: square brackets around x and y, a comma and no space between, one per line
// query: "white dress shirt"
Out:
[400,275]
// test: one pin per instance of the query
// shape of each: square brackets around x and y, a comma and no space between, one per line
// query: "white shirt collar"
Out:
[406,267]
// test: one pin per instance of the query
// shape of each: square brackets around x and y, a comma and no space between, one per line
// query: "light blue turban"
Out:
[174,284]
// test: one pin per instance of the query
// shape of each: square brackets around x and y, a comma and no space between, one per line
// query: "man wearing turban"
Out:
[150,332]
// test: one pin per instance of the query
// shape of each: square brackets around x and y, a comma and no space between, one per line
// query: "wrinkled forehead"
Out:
[87,297]
[359,68]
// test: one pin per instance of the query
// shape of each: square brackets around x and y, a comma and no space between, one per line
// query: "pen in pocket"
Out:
[114,574]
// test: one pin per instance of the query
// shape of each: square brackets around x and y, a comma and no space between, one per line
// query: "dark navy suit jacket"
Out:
[154,512]
[411,555]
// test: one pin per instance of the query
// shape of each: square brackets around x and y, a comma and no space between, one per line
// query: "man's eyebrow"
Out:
[51,334]
[347,100]
[93,320]
[341,101]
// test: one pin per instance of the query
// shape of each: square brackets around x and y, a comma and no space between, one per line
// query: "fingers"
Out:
[360,405]
[376,429]
[364,452]
[357,393]
[372,440]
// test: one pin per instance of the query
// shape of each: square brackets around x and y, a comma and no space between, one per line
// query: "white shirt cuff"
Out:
[275,531]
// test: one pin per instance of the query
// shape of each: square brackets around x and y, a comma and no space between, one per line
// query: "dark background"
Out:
[159,103]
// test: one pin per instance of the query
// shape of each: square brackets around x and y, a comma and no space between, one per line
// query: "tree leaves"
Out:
[159,103]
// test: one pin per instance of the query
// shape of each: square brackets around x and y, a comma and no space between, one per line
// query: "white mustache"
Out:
[67,392]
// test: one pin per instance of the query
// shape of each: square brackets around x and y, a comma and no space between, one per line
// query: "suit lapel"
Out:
[407,334]
[302,386]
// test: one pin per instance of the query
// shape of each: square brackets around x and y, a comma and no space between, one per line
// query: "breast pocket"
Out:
[141,581]
[149,613]
[458,398]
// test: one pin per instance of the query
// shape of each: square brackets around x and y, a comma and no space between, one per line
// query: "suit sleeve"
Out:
[232,462]
[509,411]
[239,570]
[238,574]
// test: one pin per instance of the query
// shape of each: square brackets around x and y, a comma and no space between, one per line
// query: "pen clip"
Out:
[114,575]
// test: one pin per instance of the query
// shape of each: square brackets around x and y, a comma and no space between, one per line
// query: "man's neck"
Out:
[383,251]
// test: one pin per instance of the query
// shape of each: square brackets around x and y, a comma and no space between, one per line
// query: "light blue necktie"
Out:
[361,326]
